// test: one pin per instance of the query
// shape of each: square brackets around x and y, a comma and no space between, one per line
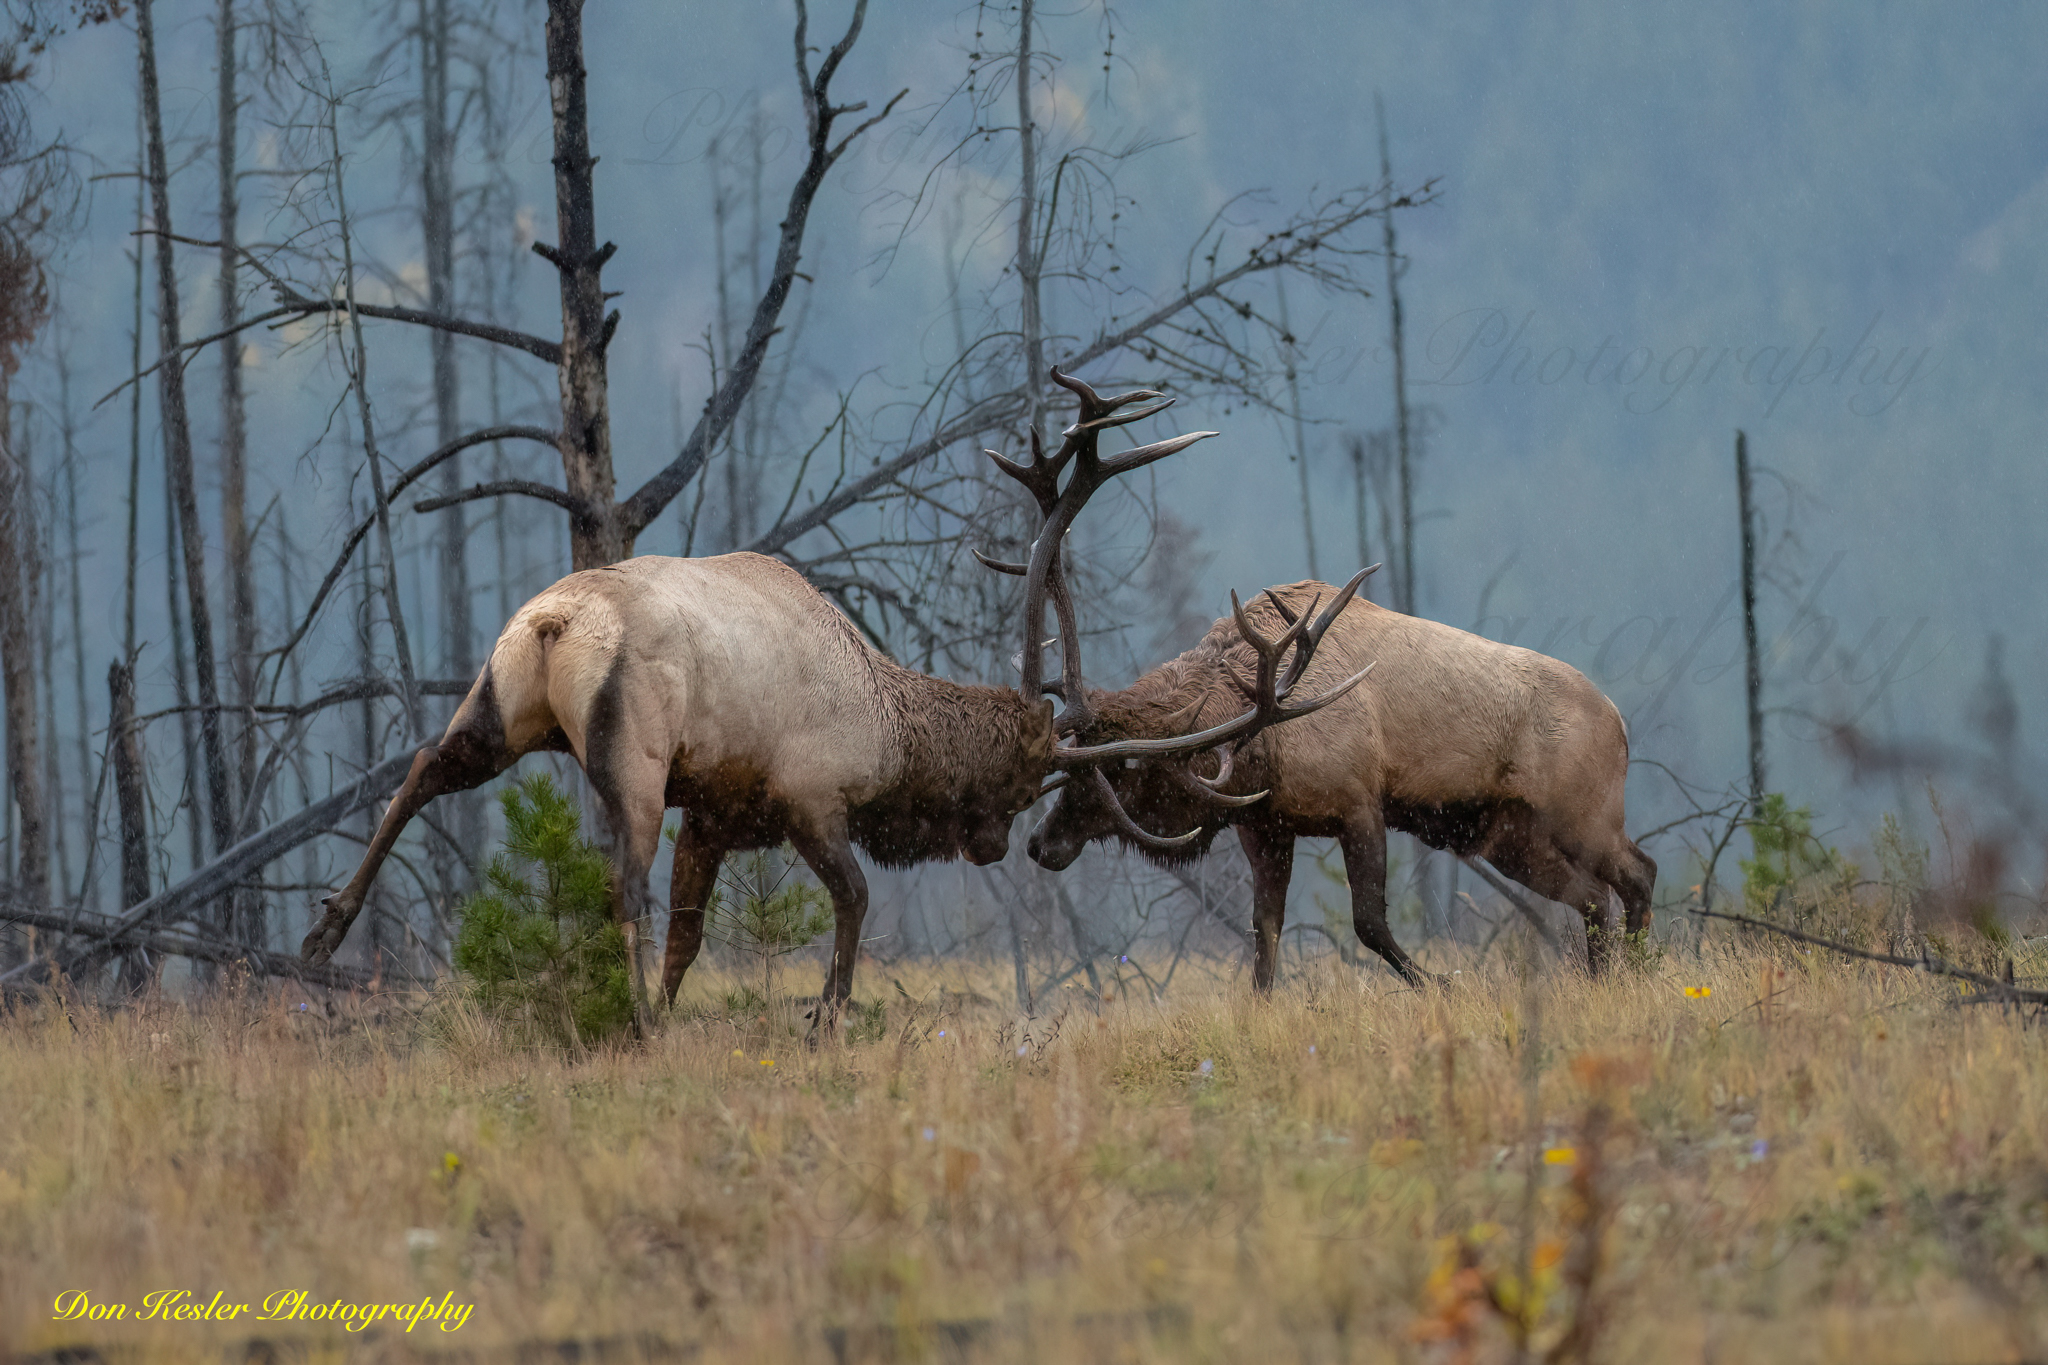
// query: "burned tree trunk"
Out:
[177,429]
[1752,668]
[597,534]
[245,919]
[125,750]
[18,596]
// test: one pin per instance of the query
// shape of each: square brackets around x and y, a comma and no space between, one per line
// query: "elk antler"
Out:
[1043,574]
[1268,692]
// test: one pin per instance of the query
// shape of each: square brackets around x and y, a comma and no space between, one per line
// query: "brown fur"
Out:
[1472,746]
[731,688]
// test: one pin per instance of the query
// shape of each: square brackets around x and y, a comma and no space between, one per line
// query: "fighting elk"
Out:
[731,688]
[1472,746]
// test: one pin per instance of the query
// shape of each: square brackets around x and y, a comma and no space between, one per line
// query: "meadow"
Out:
[1733,1150]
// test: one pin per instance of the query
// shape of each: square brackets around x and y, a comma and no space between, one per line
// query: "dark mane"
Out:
[956,739]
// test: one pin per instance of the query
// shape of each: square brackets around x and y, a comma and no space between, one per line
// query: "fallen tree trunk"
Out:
[176,943]
[204,884]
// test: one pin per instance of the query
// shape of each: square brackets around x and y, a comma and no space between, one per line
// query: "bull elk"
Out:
[730,687]
[1480,748]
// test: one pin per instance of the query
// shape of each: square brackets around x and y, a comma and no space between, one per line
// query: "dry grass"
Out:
[1818,1161]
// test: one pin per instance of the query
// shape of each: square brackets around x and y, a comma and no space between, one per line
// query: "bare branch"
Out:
[723,407]
[503,488]
[1992,987]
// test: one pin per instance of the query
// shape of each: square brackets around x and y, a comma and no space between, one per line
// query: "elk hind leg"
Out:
[631,786]
[695,873]
[1550,871]
[1633,875]
[465,758]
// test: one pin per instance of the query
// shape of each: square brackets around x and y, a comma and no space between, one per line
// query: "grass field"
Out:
[1795,1160]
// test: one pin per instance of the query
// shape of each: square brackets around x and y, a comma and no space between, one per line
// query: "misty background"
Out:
[1650,226]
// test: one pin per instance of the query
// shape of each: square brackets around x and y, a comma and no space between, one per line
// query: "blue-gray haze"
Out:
[1655,224]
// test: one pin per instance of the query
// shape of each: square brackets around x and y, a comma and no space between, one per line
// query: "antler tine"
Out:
[1000,565]
[1119,419]
[1080,389]
[1226,759]
[1077,756]
[1200,788]
[1279,606]
[1268,692]
[1158,450]
[1132,827]
[1314,637]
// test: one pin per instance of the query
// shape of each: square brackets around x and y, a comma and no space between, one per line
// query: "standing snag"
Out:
[1480,748]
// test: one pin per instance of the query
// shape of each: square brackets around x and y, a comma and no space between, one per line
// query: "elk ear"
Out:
[1045,710]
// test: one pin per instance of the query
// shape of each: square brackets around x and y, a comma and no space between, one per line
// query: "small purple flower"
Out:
[303,1007]
[929,1134]
[1023,1048]
[1124,958]
[1311,1049]
[1207,1066]
[942,1033]
[1759,1149]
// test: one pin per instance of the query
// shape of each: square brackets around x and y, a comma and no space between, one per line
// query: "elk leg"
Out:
[631,785]
[1551,872]
[830,856]
[1633,875]
[695,873]
[1364,844]
[461,761]
[1271,854]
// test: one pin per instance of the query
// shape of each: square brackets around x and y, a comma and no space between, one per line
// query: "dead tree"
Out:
[177,429]
[27,182]
[245,918]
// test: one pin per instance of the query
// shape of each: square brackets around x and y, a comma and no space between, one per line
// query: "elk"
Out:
[732,688]
[1480,748]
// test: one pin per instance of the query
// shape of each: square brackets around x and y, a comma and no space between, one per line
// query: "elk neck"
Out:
[961,750]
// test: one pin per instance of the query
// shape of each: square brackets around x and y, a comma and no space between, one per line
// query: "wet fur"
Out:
[1476,747]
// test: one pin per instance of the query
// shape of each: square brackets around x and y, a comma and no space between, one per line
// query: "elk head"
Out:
[1161,784]
[1080,767]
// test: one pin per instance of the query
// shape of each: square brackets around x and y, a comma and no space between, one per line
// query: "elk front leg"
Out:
[695,873]
[459,762]
[827,850]
[1364,843]
[1271,854]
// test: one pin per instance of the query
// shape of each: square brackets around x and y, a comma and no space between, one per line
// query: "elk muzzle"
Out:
[1055,844]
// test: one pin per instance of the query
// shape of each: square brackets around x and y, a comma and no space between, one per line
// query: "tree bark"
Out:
[597,535]
[18,596]
[126,747]
[245,921]
[1752,668]
[437,230]
[1404,467]
[178,444]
